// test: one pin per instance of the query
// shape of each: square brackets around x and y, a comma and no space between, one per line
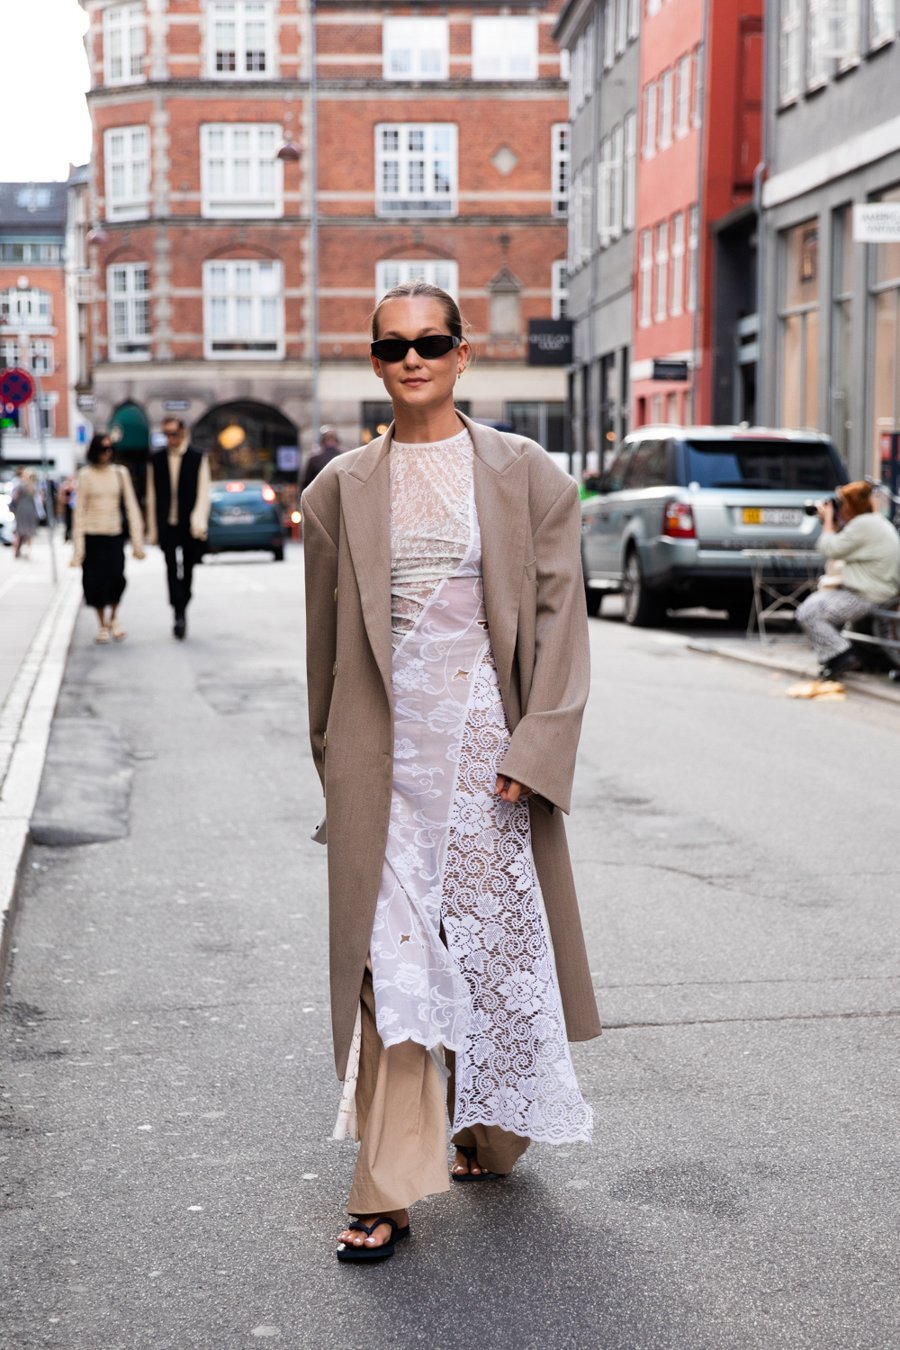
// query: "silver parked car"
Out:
[677,506]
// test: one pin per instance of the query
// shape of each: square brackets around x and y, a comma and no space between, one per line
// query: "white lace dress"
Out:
[458,862]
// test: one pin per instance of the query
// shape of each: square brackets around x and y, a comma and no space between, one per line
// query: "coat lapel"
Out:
[501,499]
[366,511]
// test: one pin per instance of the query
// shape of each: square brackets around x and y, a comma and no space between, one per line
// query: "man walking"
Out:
[178,484]
[329,448]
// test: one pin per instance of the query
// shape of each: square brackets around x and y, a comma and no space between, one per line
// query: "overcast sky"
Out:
[44,124]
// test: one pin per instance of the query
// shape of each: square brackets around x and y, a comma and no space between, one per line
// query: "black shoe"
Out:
[180,626]
[846,660]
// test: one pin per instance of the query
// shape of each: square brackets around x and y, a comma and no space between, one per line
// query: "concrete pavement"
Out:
[36,619]
[167,1086]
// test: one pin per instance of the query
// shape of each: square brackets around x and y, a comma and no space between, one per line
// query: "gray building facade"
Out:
[602,40]
[830,334]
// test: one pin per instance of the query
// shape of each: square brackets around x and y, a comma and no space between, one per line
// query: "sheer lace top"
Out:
[431,521]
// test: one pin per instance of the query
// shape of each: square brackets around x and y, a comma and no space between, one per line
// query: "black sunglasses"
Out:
[395,349]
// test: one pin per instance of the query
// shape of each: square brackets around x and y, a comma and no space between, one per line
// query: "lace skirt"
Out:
[461,954]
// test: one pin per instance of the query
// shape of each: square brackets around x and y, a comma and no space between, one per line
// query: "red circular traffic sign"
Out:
[16,386]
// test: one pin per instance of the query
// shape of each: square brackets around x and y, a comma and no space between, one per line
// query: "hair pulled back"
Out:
[410,290]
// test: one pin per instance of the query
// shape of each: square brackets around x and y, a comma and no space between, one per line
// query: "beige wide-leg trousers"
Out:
[402,1124]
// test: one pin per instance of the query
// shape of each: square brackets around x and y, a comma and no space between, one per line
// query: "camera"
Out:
[812,508]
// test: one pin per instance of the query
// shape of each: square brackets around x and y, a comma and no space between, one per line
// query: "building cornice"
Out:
[839,160]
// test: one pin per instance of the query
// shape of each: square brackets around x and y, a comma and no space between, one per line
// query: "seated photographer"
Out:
[862,549]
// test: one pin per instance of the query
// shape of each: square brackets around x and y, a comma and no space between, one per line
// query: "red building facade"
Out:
[440,152]
[700,75]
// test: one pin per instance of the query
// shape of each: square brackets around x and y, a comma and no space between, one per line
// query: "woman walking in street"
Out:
[104,502]
[447,660]
[24,506]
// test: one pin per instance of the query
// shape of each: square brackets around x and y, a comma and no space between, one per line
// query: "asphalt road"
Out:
[166,1176]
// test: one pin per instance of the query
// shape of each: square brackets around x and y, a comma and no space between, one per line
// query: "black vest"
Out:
[187,490]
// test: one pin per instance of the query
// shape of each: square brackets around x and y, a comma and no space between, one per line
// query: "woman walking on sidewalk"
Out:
[447,665]
[105,501]
[23,503]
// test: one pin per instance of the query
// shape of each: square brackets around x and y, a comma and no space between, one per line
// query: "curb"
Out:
[855,686]
[24,732]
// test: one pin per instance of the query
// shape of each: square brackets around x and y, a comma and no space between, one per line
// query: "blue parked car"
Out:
[244,516]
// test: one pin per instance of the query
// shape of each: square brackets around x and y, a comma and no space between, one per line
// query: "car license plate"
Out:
[238,518]
[772,515]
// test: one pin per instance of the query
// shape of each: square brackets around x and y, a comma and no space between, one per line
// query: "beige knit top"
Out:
[98,507]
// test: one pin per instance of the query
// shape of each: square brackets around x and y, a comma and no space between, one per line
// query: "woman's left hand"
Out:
[508,790]
[138,553]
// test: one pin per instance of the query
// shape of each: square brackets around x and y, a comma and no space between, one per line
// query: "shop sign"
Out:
[876,223]
[549,342]
[173,405]
[670,370]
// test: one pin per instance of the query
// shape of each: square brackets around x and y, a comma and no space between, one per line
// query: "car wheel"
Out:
[643,608]
[278,553]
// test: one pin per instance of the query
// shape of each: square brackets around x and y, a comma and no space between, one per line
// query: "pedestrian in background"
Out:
[862,571]
[105,505]
[445,605]
[329,448]
[65,503]
[178,484]
[23,503]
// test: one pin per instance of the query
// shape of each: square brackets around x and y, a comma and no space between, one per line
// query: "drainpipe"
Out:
[760,173]
[701,232]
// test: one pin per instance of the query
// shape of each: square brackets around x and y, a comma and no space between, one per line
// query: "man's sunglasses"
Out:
[429,348]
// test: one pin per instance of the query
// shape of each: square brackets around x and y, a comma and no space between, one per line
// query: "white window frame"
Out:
[676,286]
[882,22]
[559,288]
[252,176]
[126,160]
[244,298]
[661,279]
[609,34]
[41,356]
[46,405]
[629,182]
[645,279]
[241,13]
[634,18]
[443,272]
[693,257]
[410,161]
[789,52]
[560,159]
[27,308]
[697,90]
[504,47]
[850,23]
[604,211]
[666,98]
[818,36]
[653,7]
[621,26]
[129,340]
[415,48]
[616,179]
[649,102]
[683,79]
[124,44]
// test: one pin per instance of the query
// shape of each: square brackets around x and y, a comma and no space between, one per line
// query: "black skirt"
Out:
[103,573]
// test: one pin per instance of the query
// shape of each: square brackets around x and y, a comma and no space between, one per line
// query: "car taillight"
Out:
[678,521]
[234,487]
[268,494]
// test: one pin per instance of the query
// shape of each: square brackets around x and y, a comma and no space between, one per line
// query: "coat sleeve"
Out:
[544,744]
[320,556]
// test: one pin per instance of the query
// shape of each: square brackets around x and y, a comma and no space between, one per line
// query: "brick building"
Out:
[441,152]
[33,318]
[701,103]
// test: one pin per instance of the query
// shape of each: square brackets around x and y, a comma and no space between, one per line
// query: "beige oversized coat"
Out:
[530,523]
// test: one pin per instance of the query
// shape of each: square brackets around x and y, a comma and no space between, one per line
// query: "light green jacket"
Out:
[869,548]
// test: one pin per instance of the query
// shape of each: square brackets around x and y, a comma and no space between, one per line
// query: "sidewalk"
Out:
[790,653]
[36,621]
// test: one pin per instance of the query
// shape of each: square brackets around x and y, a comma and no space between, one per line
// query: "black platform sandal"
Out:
[346,1252]
[471,1155]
